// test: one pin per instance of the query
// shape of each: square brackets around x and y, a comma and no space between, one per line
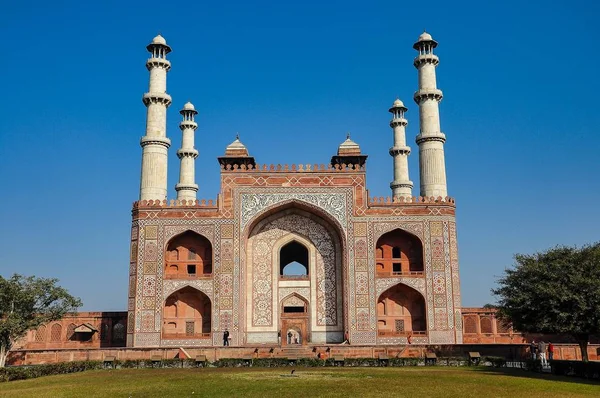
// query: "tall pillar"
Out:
[401,186]
[430,139]
[187,188]
[155,143]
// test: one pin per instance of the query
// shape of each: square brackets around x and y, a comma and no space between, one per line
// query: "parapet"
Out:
[300,168]
[210,204]
[401,200]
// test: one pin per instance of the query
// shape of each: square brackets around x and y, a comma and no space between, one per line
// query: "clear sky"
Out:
[520,82]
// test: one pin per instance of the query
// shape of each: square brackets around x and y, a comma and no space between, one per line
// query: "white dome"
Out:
[237,144]
[425,37]
[159,40]
[189,107]
[398,104]
[348,146]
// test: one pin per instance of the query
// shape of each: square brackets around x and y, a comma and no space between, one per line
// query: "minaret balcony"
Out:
[188,124]
[398,122]
[428,94]
[162,141]
[187,187]
[156,98]
[430,136]
[426,59]
[158,63]
[399,150]
[184,152]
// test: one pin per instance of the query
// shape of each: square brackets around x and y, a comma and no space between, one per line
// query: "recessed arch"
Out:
[399,252]
[401,311]
[293,259]
[294,304]
[187,314]
[269,231]
[188,255]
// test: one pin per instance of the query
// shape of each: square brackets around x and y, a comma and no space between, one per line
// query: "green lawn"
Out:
[309,382]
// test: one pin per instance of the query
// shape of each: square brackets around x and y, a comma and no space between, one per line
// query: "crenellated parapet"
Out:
[401,200]
[212,204]
[293,168]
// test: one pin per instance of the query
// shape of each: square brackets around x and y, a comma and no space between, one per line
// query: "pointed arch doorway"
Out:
[294,319]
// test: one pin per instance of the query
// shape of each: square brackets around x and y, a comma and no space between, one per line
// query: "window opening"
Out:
[399,325]
[293,260]
[289,310]
[189,328]
[191,269]
[396,252]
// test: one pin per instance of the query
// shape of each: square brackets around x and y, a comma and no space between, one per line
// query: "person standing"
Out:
[226,338]
[542,353]
[532,349]
[279,337]
[550,351]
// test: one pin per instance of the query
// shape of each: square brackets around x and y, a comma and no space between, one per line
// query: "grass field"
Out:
[306,383]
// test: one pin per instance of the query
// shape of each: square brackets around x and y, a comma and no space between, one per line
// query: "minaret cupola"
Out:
[236,153]
[401,186]
[348,153]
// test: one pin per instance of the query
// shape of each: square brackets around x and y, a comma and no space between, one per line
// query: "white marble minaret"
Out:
[187,188]
[401,186]
[430,139]
[155,143]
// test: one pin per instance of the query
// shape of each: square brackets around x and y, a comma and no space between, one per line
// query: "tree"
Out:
[556,292]
[27,303]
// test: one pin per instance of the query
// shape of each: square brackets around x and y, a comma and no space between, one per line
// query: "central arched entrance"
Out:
[295,325]
[294,281]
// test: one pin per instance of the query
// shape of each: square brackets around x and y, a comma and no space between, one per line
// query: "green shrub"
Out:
[30,372]
[588,370]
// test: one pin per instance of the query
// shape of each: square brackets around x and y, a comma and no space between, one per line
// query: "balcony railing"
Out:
[393,333]
[391,274]
[187,276]
[293,277]
[186,336]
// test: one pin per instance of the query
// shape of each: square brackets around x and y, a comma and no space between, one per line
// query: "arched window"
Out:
[119,333]
[55,332]
[186,312]
[104,332]
[71,331]
[40,334]
[293,260]
[400,253]
[400,311]
[294,305]
[502,326]
[190,256]
[486,325]
[470,325]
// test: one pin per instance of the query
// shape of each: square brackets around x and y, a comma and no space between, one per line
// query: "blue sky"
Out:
[519,79]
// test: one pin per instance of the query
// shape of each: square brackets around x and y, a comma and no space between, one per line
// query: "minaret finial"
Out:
[237,136]
[348,135]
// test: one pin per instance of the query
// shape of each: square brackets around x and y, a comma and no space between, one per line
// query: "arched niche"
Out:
[294,304]
[187,315]
[267,235]
[401,312]
[293,260]
[188,255]
[399,253]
